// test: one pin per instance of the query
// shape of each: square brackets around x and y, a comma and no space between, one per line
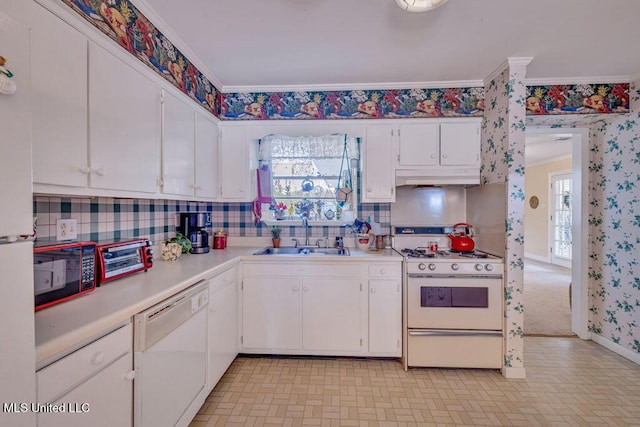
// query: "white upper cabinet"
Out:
[377,166]
[460,144]
[124,125]
[234,163]
[59,103]
[206,157]
[419,145]
[423,145]
[178,149]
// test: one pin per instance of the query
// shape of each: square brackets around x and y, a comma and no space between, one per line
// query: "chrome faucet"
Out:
[305,224]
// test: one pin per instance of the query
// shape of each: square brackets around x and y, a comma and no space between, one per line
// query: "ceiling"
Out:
[310,43]
[543,148]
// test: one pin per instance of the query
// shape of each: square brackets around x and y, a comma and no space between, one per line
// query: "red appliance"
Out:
[122,258]
[220,240]
[460,237]
[62,271]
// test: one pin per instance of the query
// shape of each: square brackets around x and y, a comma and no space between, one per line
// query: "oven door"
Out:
[454,302]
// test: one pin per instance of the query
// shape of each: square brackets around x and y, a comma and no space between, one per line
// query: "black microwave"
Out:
[62,271]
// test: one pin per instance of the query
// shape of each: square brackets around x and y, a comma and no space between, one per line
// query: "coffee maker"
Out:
[192,225]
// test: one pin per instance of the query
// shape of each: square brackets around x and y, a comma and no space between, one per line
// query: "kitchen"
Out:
[149,215]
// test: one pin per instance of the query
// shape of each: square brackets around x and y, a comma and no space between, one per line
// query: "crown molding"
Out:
[355,86]
[162,26]
[578,80]
[509,62]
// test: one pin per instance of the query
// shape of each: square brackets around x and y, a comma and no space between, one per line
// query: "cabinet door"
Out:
[385,317]
[331,314]
[418,145]
[460,144]
[108,396]
[377,171]
[59,106]
[178,153]
[271,313]
[223,325]
[234,164]
[206,157]
[124,125]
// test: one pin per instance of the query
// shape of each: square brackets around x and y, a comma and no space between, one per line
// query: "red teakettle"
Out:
[460,237]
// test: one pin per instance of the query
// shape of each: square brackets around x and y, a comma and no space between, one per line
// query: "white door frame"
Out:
[551,222]
[580,224]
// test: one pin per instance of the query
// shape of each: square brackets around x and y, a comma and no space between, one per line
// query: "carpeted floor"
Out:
[546,299]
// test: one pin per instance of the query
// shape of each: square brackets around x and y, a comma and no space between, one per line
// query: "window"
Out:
[304,172]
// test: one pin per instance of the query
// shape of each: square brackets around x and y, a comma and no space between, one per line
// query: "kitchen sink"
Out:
[303,251]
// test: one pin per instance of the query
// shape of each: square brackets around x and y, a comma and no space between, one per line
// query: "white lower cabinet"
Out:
[91,386]
[332,310]
[321,309]
[223,324]
[271,313]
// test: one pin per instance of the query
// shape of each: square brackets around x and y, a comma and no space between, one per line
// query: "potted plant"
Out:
[275,236]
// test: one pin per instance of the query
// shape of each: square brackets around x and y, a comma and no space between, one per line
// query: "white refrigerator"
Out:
[17,342]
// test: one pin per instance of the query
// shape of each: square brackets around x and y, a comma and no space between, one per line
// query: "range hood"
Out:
[437,176]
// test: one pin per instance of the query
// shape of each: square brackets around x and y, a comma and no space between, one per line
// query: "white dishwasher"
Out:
[170,341]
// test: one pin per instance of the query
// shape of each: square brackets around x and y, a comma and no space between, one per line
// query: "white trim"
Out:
[354,86]
[577,80]
[616,348]
[536,257]
[510,372]
[509,62]
[556,260]
[554,159]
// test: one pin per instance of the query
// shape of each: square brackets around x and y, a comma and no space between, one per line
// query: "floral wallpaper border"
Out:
[597,98]
[126,25]
[353,104]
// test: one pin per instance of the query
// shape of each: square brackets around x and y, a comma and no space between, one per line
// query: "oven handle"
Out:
[454,334]
[454,276]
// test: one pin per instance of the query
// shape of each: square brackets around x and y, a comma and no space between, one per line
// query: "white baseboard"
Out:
[616,348]
[510,372]
[536,257]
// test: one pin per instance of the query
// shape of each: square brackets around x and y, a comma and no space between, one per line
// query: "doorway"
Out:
[561,207]
[572,219]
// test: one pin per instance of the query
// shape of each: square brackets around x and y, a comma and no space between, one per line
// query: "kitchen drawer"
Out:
[391,270]
[454,349]
[306,269]
[66,373]
[223,279]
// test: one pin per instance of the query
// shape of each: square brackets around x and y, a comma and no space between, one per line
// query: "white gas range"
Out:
[453,302]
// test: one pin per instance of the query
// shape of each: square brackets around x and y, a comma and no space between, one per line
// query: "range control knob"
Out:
[422,266]
[149,251]
[455,266]
[479,267]
[432,266]
[488,267]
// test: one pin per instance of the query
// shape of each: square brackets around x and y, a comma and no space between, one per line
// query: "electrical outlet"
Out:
[66,229]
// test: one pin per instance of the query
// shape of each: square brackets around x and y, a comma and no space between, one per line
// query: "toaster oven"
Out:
[122,258]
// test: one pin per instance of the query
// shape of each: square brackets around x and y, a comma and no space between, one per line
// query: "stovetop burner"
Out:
[418,253]
[470,254]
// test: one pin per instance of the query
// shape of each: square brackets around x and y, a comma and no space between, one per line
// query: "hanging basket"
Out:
[343,193]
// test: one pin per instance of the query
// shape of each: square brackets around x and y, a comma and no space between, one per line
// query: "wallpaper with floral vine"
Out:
[614,222]
[503,162]
[600,98]
[354,104]
[125,24]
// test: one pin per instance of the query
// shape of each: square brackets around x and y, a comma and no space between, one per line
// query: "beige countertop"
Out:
[65,327]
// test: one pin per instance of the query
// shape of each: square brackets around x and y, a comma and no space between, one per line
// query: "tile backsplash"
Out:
[104,218]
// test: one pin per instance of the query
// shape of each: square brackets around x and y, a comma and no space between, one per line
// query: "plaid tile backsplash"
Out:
[104,218]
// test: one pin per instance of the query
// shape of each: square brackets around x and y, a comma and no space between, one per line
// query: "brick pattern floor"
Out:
[569,382]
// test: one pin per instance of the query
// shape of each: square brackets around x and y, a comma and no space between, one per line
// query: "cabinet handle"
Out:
[444,156]
[433,156]
[85,170]
[129,376]
[373,290]
[99,172]
[295,289]
[241,189]
[368,189]
[98,358]
[383,271]
[305,288]
[213,308]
